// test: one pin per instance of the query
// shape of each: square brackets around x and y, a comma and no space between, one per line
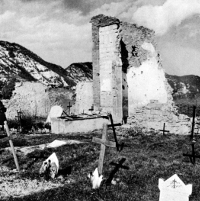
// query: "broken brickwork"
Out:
[128,78]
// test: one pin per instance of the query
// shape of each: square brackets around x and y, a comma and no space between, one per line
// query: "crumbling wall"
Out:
[35,99]
[30,98]
[129,80]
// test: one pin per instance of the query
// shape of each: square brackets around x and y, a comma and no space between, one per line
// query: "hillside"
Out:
[80,71]
[19,62]
[187,86]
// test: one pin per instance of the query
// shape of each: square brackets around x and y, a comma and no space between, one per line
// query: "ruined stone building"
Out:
[128,78]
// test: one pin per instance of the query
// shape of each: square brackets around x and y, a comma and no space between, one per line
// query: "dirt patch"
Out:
[13,185]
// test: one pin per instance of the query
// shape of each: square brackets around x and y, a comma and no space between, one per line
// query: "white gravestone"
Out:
[55,111]
[95,179]
[173,189]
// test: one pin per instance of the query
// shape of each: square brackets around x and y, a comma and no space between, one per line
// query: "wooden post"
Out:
[114,133]
[104,142]
[11,145]
[193,122]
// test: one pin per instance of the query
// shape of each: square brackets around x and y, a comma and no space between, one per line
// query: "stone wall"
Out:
[153,116]
[84,97]
[36,99]
[30,98]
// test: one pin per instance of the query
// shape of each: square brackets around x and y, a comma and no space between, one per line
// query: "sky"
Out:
[59,31]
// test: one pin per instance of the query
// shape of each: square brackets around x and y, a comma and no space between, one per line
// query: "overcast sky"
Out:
[59,30]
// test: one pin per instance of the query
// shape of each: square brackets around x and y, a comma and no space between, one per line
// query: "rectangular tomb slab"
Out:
[63,126]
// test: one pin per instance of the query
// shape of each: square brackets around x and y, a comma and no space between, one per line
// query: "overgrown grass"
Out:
[148,157]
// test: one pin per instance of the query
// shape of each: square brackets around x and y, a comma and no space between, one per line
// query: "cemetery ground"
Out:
[148,156]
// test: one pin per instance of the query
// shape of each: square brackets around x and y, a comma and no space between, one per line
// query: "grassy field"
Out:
[147,156]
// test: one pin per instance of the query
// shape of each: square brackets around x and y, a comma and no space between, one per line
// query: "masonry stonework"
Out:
[128,78]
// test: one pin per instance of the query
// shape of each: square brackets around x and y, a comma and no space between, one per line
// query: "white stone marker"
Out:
[173,189]
[95,178]
[55,111]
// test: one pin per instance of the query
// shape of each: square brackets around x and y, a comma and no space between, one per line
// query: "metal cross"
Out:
[192,156]
[116,169]
[11,145]
[164,130]
[114,133]
[104,143]
[69,106]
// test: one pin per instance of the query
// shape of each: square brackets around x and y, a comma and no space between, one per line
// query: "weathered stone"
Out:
[128,76]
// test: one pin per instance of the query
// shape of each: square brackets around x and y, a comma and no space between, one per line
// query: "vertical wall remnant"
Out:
[107,66]
[95,63]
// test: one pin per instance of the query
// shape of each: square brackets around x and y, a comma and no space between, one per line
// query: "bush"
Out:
[8,88]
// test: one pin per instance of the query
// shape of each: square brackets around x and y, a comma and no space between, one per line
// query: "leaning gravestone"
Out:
[55,111]
[173,189]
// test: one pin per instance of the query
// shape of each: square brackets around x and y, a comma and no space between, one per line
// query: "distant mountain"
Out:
[184,86]
[19,62]
[80,71]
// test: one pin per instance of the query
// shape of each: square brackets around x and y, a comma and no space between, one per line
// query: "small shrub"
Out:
[8,88]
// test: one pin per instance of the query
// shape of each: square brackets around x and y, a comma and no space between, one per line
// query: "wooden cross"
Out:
[11,145]
[192,156]
[117,167]
[104,143]
[69,106]
[114,133]
[164,130]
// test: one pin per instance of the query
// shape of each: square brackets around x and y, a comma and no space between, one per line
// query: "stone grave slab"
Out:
[173,189]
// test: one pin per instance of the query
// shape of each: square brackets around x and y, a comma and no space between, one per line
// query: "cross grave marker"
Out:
[104,143]
[69,106]
[163,130]
[193,155]
[118,146]
[115,170]
[11,145]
